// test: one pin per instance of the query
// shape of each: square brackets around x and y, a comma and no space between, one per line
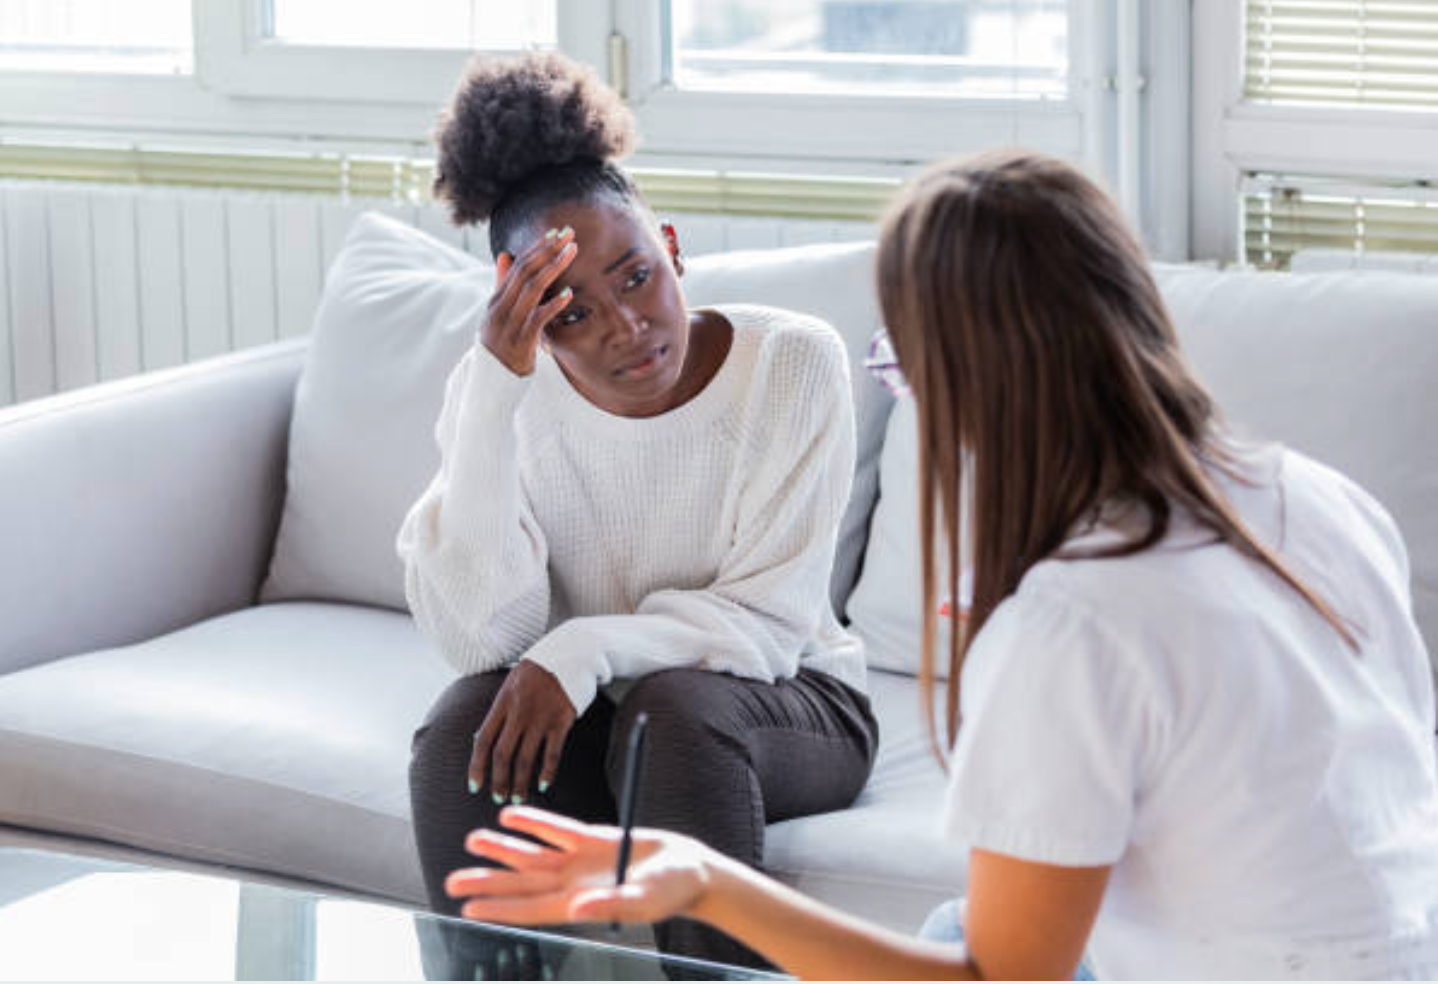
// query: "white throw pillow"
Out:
[399,309]
[1337,366]
[885,609]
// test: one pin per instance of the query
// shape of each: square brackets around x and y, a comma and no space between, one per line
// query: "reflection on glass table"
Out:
[64,917]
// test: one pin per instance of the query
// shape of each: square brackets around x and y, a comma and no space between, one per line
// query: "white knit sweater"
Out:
[605,548]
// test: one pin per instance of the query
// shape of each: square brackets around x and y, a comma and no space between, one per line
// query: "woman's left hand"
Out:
[572,878]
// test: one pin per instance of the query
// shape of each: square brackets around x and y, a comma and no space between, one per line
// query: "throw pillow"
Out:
[399,309]
[884,610]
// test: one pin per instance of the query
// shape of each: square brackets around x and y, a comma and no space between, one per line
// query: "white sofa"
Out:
[203,654]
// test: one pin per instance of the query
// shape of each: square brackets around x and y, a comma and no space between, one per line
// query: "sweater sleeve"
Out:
[475,558]
[755,619]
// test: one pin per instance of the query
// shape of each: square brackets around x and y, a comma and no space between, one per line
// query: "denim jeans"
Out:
[945,925]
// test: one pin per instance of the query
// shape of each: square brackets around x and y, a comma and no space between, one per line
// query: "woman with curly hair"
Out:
[636,512]
[1194,714]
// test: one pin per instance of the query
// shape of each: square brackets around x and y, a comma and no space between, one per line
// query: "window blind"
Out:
[1356,53]
[337,174]
[409,179]
[1283,214]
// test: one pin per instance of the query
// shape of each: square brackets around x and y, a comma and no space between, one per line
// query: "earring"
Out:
[671,240]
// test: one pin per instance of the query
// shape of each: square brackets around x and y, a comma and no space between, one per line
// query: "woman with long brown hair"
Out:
[1190,714]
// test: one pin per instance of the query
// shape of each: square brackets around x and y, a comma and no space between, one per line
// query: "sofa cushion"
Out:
[1338,366]
[399,309]
[884,858]
[277,739]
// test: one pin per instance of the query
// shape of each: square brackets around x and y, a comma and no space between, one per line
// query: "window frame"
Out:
[1232,137]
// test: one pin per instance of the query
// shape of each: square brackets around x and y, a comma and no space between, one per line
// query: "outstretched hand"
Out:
[570,876]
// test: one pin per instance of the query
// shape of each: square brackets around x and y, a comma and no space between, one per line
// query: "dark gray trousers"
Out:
[723,756]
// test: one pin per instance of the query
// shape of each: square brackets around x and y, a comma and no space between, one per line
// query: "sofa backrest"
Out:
[141,505]
[1336,365]
[1341,366]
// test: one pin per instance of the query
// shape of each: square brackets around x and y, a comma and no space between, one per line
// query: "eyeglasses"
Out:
[884,364]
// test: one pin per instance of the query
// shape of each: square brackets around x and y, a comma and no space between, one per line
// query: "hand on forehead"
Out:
[607,234]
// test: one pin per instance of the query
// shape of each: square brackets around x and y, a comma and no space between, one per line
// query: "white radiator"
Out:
[99,282]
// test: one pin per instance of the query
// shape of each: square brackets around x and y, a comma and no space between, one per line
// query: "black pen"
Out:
[633,758]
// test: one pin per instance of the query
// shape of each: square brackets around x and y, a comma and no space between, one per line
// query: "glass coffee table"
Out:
[65,917]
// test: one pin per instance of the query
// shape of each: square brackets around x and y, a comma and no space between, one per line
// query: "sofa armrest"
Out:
[133,508]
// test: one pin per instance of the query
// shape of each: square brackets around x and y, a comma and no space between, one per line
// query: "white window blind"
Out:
[1355,53]
[1373,62]
[1286,214]
[407,180]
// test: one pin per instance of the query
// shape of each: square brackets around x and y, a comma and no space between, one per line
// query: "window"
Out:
[1321,115]
[971,48]
[463,24]
[367,50]
[852,84]
[837,88]
[137,36]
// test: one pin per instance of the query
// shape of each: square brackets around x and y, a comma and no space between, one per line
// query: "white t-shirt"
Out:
[1265,795]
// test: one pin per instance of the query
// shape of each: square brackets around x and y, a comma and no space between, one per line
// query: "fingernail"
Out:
[498,799]
[567,292]
[551,234]
[517,799]
[565,232]
[569,247]
[543,786]
[473,787]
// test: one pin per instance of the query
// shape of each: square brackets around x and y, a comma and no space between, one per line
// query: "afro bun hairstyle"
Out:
[513,120]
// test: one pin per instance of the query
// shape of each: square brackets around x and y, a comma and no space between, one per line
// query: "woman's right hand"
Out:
[569,875]
[517,310]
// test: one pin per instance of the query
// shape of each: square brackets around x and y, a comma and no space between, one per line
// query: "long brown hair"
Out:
[1032,335]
